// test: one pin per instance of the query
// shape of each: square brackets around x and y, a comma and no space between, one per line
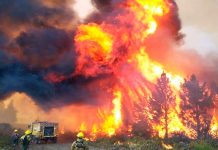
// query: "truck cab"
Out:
[44,132]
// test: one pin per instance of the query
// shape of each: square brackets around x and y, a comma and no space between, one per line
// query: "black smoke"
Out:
[36,41]
[33,13]
[46,45]
[16,76]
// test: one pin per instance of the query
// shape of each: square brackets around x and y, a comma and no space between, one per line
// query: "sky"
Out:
[200,24]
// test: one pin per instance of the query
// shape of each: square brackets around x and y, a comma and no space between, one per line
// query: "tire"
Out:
[54,140]
[39,141]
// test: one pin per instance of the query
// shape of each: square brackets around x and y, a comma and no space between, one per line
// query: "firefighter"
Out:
[15,138]
[80,143]
[26,139]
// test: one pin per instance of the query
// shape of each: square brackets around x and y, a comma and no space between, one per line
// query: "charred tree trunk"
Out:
[198,123]
[166,127]
[166,121]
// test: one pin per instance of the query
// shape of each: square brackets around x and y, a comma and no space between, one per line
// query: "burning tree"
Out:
[214,92]
[162,101]
[196,105]
[214,126]
[141,126]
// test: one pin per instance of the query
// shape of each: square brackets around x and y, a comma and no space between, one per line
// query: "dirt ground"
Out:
[55,147]
[50,147]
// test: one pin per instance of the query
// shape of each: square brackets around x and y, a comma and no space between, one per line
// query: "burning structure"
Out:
[115,70]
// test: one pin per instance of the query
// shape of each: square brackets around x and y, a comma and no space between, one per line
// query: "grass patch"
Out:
[139,143]
[5,142]
[202,145]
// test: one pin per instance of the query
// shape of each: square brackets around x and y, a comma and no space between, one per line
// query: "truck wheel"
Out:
[38,141]
[46,141]
[54,140]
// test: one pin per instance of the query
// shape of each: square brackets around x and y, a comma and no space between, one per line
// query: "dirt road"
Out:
[55,147]
[51,147]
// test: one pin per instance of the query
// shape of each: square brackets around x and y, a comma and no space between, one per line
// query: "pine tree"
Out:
[214,92]
[141,126]
[196,106]
[161,101]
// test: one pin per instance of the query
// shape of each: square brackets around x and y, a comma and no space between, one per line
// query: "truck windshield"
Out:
[49,131]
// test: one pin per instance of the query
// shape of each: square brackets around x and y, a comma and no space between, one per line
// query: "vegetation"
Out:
[196,104]
[203,145]
[4,140]
[5,136]
[161,101]
[140,143]
[121,142]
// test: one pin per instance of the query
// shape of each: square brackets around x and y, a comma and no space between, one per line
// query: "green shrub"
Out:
[202,145]
[140,143]
[214,143]
[103,142]
[5,142]
[152,144]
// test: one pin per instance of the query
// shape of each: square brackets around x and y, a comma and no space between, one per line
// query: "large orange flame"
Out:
[94,41]
[145,11]
[111,120]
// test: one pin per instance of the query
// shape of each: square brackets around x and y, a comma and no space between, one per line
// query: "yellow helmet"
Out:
[80,135]
[28,132]
[15,130]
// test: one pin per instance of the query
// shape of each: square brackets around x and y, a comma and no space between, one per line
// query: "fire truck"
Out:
[44,132]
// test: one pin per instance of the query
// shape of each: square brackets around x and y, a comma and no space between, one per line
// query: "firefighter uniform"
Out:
[15,138]
[26,139]
[80,143]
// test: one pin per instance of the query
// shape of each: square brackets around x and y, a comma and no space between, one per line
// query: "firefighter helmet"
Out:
[28,132]
[80,135]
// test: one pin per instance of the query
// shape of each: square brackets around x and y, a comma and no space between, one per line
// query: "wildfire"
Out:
[112,77]
[98,42]
[99,46]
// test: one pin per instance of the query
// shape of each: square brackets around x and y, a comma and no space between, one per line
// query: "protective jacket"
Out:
[15,139]
[25,140]
[79,144]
